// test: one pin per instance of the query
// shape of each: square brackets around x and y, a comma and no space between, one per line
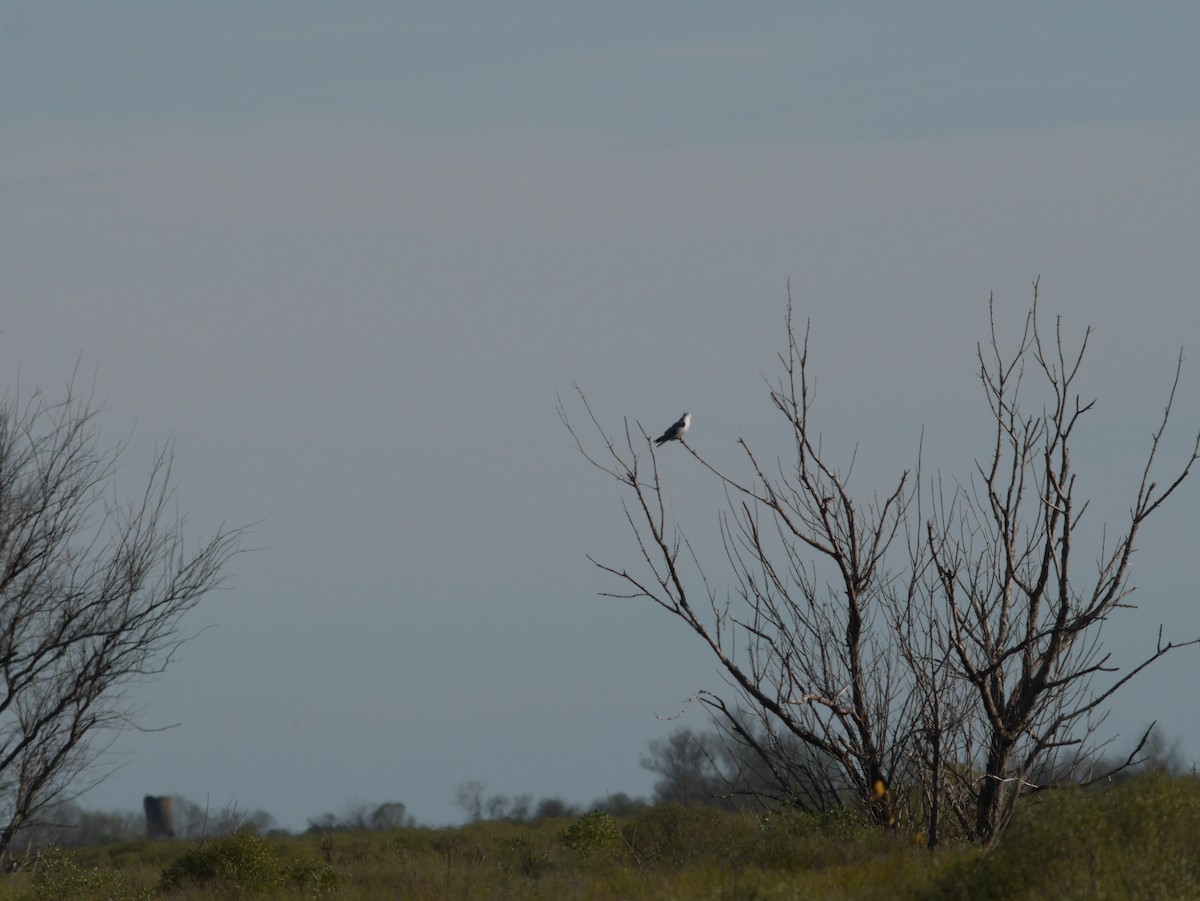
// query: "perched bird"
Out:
[677,431]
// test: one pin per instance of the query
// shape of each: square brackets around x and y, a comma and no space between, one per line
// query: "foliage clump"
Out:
[594,834]
[679,835]
[246,862]
[527,859]
[1134,840]
[58,876]
[792,838]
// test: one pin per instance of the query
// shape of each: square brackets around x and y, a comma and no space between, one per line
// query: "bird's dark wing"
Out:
[670,434]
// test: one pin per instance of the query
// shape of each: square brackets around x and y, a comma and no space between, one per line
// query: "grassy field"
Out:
[1137,840]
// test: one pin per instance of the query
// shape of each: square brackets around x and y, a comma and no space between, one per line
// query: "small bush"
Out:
[595,833]
[846,822]
[309,875]
[59,877]
[529,861]
[677,835]
[795,839]
[244,861]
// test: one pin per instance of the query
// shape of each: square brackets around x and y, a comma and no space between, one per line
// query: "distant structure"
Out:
[160,816]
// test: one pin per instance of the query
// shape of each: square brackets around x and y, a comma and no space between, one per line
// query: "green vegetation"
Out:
[1131,841]
[245,862]
[1137,840]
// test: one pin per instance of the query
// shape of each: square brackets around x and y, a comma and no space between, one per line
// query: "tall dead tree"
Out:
[93,587]
[1021,620]
[942,644]
[805,646]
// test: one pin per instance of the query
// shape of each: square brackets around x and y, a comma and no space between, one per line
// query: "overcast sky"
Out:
[347,254]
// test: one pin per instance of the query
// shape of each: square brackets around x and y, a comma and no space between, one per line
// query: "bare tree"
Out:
[950,649]
[392,815]
[1021,623]
[805,647]
[93,587]
[720,769]
[362,817]
[470,798]
[688,764]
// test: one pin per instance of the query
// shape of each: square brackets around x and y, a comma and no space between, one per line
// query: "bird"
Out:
[677,431]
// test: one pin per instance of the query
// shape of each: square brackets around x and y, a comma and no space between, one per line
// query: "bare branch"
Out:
[93,590]
[967,659]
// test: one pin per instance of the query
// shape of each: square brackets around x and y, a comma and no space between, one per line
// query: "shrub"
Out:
[245,861]
[595,833]
[791,838]
[59,877]
[1136,840]
[529,861]
[678,835]
[310,875]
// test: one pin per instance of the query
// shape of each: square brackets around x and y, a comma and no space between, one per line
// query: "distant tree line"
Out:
[706,768]
[68,824]
[695,768]
[478,805]
[361,817]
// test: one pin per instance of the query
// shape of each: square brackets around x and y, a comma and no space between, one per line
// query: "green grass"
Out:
[1133,841]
